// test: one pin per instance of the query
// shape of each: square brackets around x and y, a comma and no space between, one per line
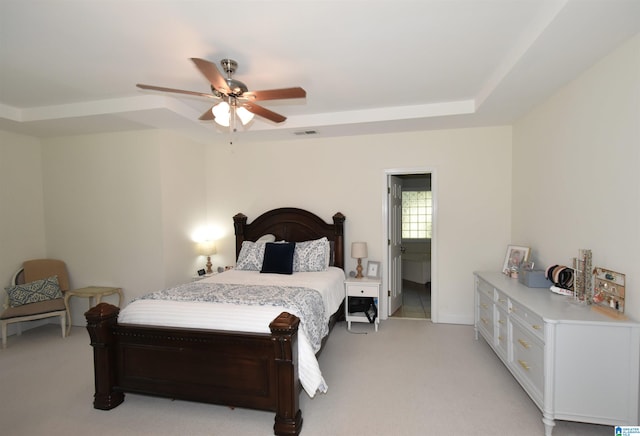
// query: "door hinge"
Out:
[388,241]
[389,293]
[388,190]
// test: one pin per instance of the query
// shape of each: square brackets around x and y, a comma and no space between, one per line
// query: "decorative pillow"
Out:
[311,256]
[278,258]
[251,256]
[34,292]
[267,238]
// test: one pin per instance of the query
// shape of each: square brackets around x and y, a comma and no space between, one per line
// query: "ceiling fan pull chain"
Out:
[232,121]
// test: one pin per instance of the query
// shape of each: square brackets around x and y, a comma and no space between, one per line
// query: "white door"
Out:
[394,200]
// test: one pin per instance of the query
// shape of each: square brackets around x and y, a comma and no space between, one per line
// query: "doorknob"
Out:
[402,249]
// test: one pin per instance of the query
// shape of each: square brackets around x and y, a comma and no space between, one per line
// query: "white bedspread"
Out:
[255,319]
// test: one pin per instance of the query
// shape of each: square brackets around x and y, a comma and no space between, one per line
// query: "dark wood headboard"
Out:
[293,225]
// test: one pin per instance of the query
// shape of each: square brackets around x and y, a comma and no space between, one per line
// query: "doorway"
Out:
[410,222]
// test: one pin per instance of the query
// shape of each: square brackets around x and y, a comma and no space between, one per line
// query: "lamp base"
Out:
[209,265]
[359,269]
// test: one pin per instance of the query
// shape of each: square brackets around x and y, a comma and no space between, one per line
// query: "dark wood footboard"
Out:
[251,370]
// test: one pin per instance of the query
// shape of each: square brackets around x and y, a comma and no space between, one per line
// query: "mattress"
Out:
[247,318]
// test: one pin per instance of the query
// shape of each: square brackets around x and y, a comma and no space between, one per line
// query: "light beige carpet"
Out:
[410,378]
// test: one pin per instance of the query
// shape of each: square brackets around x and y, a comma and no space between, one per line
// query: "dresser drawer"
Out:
[502,332]
[485,289]
[528,318]
[528,357]
[485,316]
[502,301]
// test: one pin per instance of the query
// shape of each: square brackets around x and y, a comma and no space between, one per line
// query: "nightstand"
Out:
[364,287]
[206,276]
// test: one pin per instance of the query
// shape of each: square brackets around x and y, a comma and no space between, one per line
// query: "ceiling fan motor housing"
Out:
[237,87]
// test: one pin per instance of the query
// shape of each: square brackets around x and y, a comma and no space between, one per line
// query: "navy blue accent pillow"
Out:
[278,257]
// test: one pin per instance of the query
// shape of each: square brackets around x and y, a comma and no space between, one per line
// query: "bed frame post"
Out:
[338,221]
[100,322]
[239,222]
[284,330]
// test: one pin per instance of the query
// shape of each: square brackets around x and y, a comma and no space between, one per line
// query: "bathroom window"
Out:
[417,211]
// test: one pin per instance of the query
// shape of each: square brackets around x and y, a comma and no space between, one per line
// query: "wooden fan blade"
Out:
[263,112]
[276,94]
[177,91]
[213,75]
[207,116]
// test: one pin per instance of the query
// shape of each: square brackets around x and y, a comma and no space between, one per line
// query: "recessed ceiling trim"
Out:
[527,39]
[9,112]
[96,107]
[141,103]
[462,107]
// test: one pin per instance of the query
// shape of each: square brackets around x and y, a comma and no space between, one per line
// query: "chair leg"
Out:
[63,324]
[4,334]
[68,309]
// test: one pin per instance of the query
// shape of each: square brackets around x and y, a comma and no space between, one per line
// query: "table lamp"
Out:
[207,248]
[359,251]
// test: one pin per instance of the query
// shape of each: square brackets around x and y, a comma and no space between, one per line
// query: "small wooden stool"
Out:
[94,294]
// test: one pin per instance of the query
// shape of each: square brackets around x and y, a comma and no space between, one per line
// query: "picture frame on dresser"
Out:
[373,269]
[516,255]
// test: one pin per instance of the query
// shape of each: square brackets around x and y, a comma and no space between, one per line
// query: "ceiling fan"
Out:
[236,98]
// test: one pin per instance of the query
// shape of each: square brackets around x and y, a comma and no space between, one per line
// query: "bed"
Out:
[250,369]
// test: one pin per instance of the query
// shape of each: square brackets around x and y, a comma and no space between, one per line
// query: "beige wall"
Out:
[576,160]
[120,209]
[472,173]
[22,234]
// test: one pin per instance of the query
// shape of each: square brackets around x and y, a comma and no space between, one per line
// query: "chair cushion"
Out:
[34,292]
[34,308]
[38,269]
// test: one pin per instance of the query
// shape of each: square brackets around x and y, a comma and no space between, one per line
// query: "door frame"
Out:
[383,313]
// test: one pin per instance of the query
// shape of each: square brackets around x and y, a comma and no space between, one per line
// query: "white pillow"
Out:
[267,238]
[251,256]
[311,256]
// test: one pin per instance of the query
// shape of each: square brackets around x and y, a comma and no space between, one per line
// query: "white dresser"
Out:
[576,364]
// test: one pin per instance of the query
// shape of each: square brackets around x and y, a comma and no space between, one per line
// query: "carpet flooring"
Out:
[410,378]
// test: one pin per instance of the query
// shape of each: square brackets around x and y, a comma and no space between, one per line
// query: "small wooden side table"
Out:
[94,294]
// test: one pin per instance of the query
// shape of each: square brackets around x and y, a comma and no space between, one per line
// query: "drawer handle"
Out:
[484,321]
[524,365]
[502,300]
[524,343]
[484,306]
[501,338]
[501,321]
[537,327]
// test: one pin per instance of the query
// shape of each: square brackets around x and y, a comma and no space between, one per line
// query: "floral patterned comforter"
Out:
[306,304]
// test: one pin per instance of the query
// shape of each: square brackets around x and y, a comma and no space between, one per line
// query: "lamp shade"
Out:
[244,115]
[359,250]
[207,248]
[221,113]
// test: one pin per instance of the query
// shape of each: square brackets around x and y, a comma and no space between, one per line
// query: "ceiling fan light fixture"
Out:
[244,115]
[221,113]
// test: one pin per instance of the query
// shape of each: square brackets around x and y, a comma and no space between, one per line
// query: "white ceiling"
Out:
[70,67]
